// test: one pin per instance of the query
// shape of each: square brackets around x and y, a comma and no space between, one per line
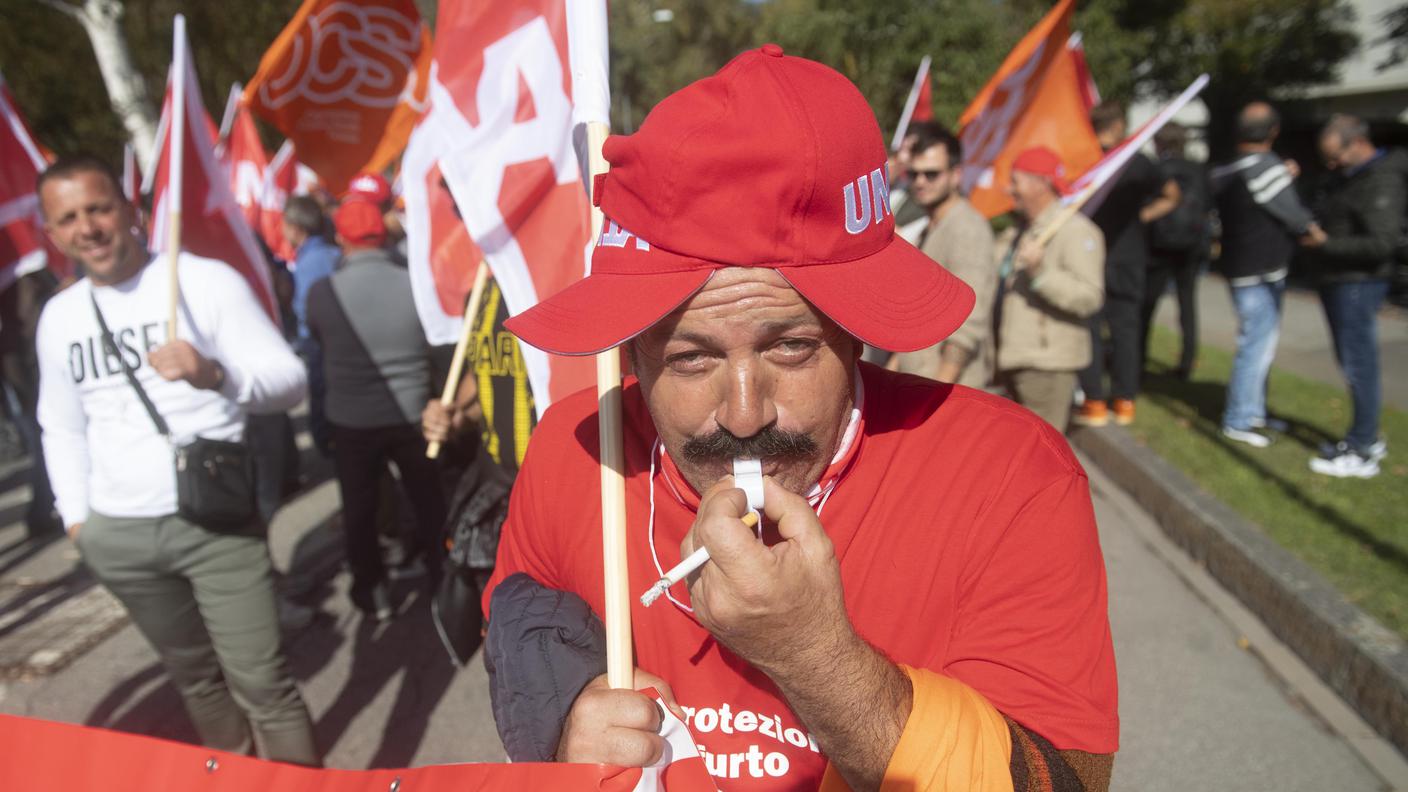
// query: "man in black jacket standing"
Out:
[1361,218]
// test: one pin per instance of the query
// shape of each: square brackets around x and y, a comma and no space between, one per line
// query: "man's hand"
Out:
[618,727]
[778,606]
[1029,254]
[73,530]
[437,422]
[178,360]
[1314,236]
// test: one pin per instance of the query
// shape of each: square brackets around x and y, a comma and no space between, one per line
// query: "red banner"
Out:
[345,82]
[1034,99]
[44,755]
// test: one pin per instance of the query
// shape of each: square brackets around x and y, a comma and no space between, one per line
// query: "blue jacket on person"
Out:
[315,259]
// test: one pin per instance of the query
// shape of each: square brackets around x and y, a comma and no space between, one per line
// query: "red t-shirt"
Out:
[967,545]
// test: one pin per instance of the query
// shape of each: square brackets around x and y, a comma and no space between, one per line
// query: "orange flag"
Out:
[1034,99]
[346,82]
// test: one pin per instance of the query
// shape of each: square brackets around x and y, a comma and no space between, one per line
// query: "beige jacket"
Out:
[962,242]
[1044,317]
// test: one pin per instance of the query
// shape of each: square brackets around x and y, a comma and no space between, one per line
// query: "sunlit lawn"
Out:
[1354,532]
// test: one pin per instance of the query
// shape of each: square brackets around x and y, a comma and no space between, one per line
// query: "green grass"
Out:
[1354,532]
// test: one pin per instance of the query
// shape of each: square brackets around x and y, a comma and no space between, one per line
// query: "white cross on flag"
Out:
[24,248]
[212,224]
[512,87]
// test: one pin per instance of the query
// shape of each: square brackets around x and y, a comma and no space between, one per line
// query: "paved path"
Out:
[1305,347]
[1199,710]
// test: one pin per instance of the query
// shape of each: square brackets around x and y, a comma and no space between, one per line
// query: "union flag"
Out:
[345,82]
[24,247]
[1034,99]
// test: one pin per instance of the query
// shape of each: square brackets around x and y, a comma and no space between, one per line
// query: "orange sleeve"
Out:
[954,740]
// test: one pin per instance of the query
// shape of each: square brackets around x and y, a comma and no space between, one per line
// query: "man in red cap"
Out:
[926,606]
[1050,292]
[376,362]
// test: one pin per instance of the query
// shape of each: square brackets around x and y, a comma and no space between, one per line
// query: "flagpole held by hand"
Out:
[175,173]
[471,313]
[620,661]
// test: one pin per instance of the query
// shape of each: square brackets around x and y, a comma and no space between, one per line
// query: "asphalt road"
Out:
[1207,699]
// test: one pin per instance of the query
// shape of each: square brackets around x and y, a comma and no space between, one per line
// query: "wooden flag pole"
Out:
[620,660]
[471,314]
[175,170]
[1043,237]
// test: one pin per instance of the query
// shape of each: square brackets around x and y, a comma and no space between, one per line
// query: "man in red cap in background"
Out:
[1049,292]
[927,605]
[376,362]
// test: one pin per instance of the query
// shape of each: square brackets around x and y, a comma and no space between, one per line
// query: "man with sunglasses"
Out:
[960,239]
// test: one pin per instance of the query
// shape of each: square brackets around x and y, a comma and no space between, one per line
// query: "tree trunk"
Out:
[127,92]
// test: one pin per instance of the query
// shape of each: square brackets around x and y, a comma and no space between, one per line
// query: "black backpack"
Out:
[1186,227]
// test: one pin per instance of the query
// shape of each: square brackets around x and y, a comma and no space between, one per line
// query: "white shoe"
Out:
[1347,464]
[1378,449]
[1253,439]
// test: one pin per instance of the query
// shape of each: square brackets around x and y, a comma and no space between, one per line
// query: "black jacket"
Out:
[1362,215]
[1261,215]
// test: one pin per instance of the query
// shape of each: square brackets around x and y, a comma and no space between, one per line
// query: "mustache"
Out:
[769,443]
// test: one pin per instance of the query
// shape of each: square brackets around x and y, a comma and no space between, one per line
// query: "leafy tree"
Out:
[1395,23]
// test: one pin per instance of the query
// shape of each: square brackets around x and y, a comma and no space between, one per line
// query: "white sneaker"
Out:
[1379,449]
[1347,464]
[1253,439]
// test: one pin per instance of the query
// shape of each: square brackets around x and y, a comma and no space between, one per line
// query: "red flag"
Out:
[212,224]
[346,82]
[47,755]
[1089,94]
[24,247]
[1033,100]
[924,110]
[507,92]
[242,153]
[918,106]
[283,178]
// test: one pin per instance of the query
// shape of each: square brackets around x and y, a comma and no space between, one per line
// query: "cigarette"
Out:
[684,568]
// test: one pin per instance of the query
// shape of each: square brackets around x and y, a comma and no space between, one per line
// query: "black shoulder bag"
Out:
[214,478]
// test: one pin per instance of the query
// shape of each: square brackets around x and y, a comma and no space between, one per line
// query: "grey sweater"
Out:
[375,356]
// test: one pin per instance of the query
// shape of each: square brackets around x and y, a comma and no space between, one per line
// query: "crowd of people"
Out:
[1063,327]
[758,361]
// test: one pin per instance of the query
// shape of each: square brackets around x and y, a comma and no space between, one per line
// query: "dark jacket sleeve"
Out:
[1376,220]
[542,647]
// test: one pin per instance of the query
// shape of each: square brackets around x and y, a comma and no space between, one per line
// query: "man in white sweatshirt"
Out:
[204,600]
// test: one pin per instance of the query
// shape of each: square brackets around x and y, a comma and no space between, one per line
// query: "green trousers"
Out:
[206,603]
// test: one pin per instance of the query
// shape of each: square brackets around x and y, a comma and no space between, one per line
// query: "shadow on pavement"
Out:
[1202,403]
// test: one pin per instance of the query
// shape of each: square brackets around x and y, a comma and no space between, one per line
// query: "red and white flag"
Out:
[284,178]
[512,86]
[242,153]
[918,106]
[48,755]
[1085,81]
[24,247]
[1034,99]
[1101,175]
[189,178]
[131,175]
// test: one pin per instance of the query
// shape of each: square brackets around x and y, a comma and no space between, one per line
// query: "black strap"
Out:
[110,347]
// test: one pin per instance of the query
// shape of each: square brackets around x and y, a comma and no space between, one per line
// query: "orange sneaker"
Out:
[1124,411]
[1092,413]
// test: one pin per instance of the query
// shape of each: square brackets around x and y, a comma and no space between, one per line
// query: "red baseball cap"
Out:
[370,187]
[359,222]
[777,162]
[1042,161]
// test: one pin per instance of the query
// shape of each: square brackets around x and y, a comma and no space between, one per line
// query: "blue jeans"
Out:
[1258,328]
[1352,312]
